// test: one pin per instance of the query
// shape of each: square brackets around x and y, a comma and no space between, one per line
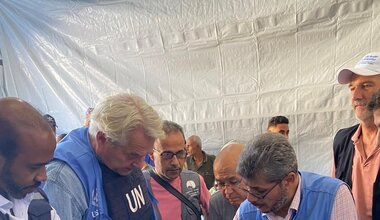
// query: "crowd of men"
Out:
[95,171]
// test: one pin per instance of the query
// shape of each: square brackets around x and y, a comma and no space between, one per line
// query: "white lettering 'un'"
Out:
[138,198]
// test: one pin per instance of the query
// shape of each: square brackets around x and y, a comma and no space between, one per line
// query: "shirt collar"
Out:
[355,138]
[5,203]
[204,157]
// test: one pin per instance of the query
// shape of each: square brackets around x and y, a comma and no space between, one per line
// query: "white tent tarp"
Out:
[220,68]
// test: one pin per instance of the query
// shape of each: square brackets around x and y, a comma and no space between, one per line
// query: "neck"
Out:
[369,132]
[198,156]
[368,137]
[290,194]
[162,176]
[369,128]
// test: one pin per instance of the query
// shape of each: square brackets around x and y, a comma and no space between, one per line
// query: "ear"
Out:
[291,178]
[101,137]
[151,156]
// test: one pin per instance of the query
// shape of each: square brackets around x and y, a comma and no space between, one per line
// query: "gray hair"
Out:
[117,115]
[172,127]
[196,140]
[269,155]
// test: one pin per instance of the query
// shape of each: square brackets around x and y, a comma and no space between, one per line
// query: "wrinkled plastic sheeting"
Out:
[219,68]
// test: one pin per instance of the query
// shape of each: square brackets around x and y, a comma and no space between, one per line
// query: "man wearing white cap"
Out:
[356,151]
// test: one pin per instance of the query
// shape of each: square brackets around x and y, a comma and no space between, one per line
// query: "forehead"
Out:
[224,170]
[172,141]
[36,144]
[280,127]
[258,181]
[189,141]
[138,141]
[357,79]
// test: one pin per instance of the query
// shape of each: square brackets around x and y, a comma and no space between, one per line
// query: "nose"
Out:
[41,175]
[174,160]
[287,136]
[139,162]
[356,93]
[228,190]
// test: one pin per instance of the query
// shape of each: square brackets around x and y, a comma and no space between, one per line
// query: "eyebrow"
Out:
[40,164]
[255,188]
[367,81]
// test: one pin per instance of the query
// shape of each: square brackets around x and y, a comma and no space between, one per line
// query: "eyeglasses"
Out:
[261,195]
[231,183]
[169,155]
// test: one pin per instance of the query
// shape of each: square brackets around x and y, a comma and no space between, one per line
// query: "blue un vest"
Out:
[317,199]
[77,152]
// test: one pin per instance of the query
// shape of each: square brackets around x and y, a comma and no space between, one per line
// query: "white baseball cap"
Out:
[369,65]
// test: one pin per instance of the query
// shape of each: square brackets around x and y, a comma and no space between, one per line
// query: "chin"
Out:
[124,172]
[21,194]
[235,203]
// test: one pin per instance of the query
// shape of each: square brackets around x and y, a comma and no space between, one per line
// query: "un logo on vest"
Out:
[138,199]
[190,184]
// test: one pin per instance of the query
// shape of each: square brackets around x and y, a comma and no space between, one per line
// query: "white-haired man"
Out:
[96,171]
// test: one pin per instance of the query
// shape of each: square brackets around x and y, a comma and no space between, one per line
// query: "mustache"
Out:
[174,168]
[35,185]
[359,102]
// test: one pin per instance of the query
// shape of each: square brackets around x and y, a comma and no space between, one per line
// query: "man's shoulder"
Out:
[347,131]
[248,209]
[189,173]
[59,171]
[217,198]
[326,184]
[210,156]
[343,139]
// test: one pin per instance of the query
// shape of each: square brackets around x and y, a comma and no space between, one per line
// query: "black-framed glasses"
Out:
[262,195]
[169,155]
[230,183]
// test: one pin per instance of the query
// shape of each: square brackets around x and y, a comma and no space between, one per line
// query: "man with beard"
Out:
[27,144]
[95,174]
[225,202]
[169,156]
[276,189]
[356,149]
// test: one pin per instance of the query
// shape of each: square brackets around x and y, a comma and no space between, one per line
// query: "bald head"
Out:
[21,113]
[229,155]
[225,173]
[17,115]
[27,144]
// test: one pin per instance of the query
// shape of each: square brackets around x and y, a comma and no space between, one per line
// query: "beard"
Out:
[279,204]
[11,188]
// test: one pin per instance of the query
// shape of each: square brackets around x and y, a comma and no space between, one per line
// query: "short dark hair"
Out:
[50,119]
[170,126]
[269,155]
[277,120]
[374,104]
